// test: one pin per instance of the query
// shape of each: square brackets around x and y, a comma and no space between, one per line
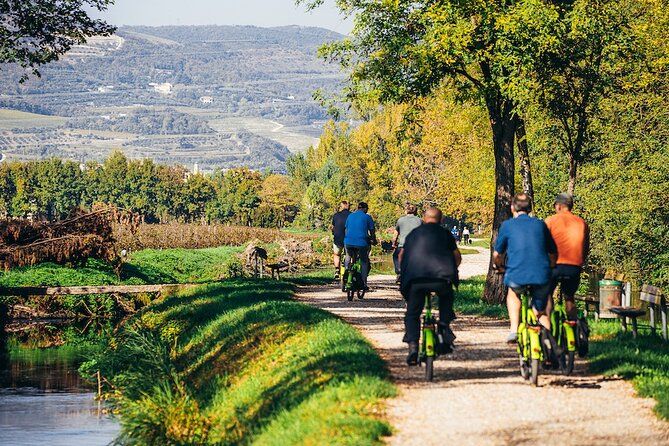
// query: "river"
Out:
[43,400]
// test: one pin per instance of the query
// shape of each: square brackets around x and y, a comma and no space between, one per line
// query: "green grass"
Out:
[481,243]
[468,300]
[644,361]
[240,362]
[144,267]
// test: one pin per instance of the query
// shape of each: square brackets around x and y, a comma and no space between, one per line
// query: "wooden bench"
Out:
[277,268]
[656,301]
[653,297]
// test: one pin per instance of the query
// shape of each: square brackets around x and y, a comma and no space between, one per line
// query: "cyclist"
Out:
[403,227]
[338,232]
[531,253]
[572,237]
[429,262]
[360,235]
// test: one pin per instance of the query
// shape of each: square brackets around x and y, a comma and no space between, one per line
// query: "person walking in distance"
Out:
[572,237]
[338,233]
[530,254]
[429,262]
[403,228]
[360,235]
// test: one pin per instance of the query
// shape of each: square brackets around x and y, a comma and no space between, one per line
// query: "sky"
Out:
[223,12]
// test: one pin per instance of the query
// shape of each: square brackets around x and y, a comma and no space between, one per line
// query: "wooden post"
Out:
[663,312]
[99,385]
[651,307]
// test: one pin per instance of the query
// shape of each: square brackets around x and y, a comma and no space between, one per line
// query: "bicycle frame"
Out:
[427,346]
[561,326]
[529,344]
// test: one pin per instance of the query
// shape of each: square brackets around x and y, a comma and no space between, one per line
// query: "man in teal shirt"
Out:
[360,235]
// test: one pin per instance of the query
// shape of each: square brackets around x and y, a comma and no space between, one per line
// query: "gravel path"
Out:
[477,396]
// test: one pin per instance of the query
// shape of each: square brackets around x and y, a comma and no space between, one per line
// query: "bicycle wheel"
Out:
[582,334]
[524,369]
[534,372]
[429,368]
[361,294]
[349,295]
[343,280]
[570,363]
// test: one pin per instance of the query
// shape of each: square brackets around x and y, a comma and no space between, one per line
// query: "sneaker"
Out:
[412,357]
[336,275]
[512,337]
[398,279]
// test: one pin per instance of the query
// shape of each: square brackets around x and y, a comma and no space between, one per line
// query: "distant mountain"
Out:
[189,80]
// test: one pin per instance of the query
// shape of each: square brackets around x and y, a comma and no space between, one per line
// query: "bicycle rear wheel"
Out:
[361,294]
[524,369]
[570,363]
[349,295]
[429,368]
[534,372]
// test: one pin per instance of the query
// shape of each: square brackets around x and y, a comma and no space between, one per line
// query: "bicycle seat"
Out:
[525,289]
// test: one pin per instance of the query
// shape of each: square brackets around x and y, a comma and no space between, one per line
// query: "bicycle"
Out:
[564,331]
[433,342]
[427,352]
[535,342]
[351,277]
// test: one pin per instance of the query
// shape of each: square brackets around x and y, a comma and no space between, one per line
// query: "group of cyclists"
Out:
[528,251]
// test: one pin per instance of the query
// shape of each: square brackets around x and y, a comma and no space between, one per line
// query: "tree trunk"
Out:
[524,154]
[504,130]
[573,169]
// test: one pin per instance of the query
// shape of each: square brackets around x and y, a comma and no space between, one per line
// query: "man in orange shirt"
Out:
[572,237]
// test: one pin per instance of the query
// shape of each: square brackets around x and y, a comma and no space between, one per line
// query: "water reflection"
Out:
[43,399]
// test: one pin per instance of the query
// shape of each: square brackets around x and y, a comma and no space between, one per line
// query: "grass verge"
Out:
[242,363]
[644,361]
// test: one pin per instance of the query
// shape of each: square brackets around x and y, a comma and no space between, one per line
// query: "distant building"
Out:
[206,99]
[165,88]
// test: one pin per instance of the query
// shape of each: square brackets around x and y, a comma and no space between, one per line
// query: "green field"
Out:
[12,119]
[149,266]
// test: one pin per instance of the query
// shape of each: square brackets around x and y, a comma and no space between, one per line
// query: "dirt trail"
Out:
[478,396]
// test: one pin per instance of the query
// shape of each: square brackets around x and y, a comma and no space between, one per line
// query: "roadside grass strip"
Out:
[644,361]
[240,362]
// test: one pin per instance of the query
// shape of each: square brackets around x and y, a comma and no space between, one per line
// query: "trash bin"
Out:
[610,295]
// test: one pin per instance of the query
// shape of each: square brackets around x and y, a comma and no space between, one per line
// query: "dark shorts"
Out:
[538,293]
[569,277]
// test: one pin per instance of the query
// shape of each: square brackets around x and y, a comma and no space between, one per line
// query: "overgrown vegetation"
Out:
[241,363]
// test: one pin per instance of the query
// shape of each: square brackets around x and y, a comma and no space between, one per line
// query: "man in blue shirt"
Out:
[360,235]
[531,254]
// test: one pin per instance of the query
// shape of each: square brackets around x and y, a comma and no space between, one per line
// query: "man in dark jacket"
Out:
[338,232]
[429,262]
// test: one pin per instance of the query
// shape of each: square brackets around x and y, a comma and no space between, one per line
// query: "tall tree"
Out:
[400,50]
[36,32]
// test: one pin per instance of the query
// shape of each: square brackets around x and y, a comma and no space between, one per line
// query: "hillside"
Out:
[221,96]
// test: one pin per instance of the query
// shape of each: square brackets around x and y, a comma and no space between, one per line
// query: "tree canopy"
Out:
[37,32]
